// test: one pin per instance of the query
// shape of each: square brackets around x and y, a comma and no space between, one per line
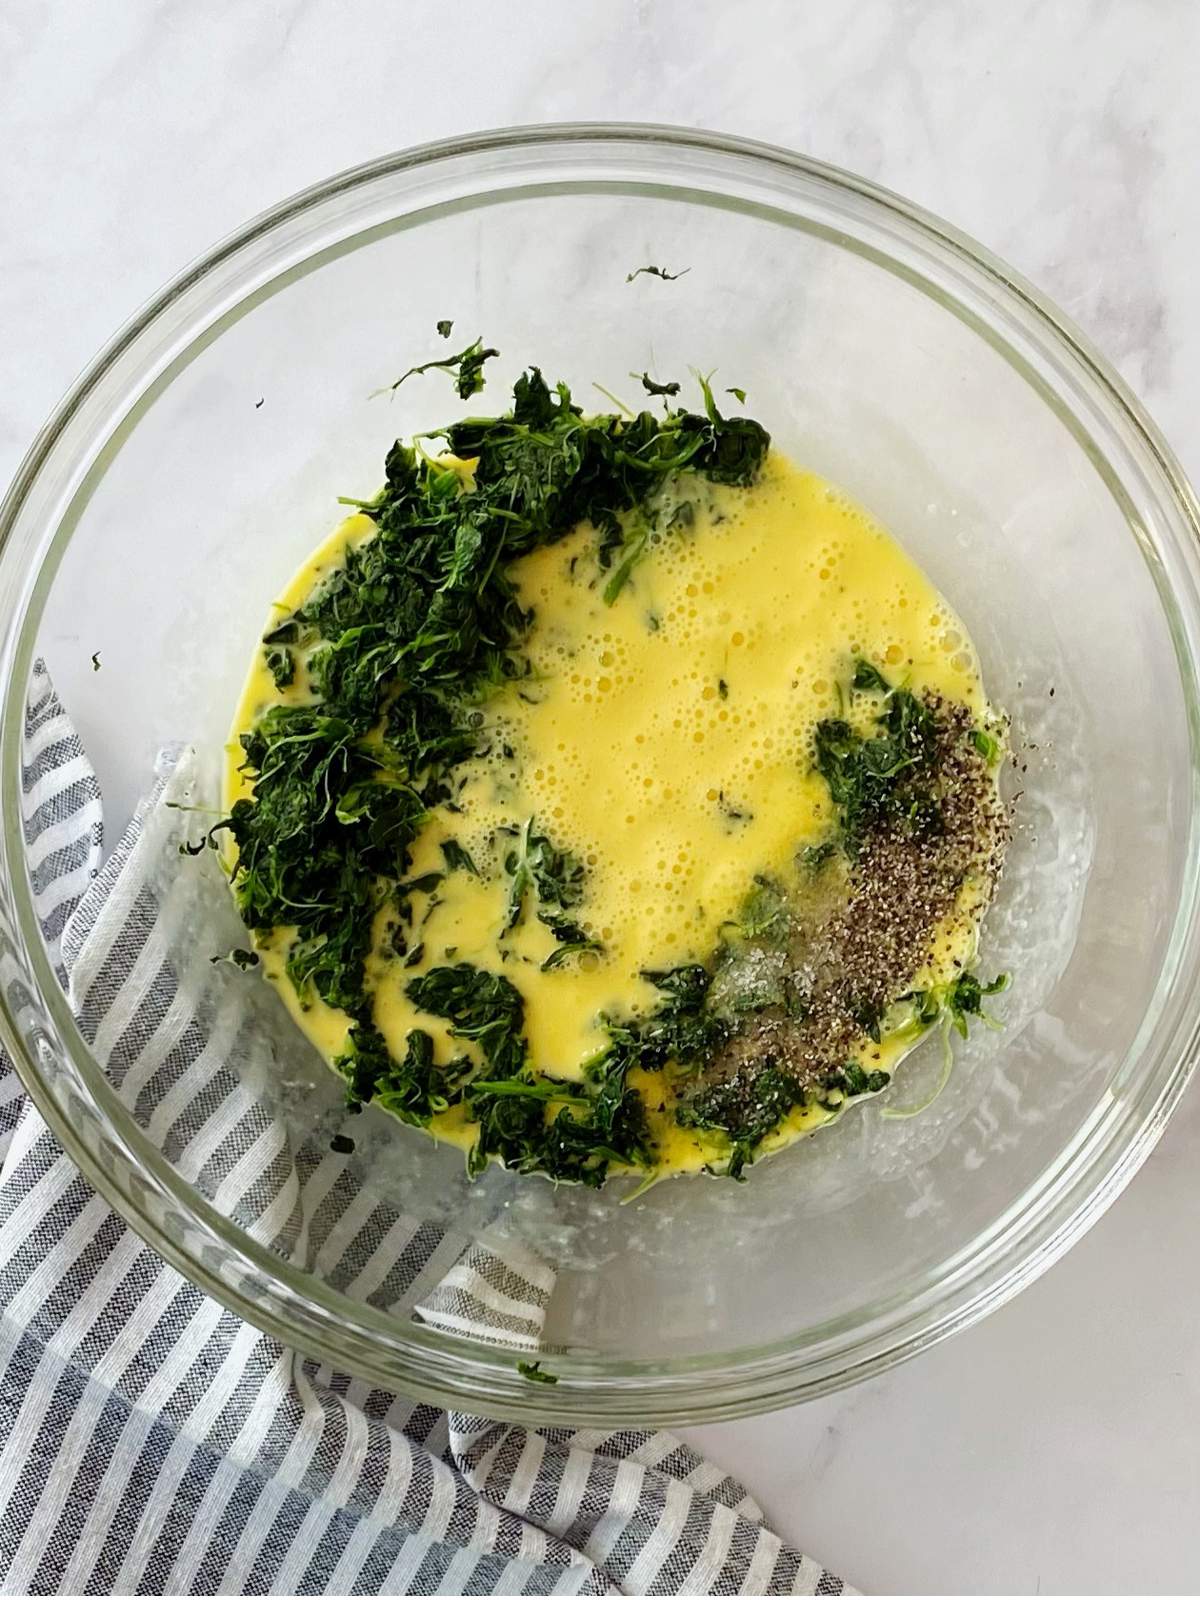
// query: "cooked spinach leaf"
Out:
[413,1087]
[281,664]
[681,1029]
[745,1113]
[242,959]
[403,643]
[987,745]
[887,775]
[467,366]
[532,1370]
[648,383]
[656,272]
[869,677]
[853,1079]
[458,858]
[481,1006]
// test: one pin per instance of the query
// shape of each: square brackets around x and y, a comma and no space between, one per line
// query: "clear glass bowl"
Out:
[163,505]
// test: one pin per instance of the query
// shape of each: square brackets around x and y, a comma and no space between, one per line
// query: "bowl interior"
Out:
[891,377]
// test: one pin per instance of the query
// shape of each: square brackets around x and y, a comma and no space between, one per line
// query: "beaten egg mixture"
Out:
[665,739]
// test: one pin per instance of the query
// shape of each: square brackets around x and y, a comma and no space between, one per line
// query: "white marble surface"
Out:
[1055,1447]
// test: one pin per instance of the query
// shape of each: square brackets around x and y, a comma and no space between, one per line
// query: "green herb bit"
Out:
[648,383]
[637,544]
[242,959]
[745,1119]
[634,548]
[987,744]
[955,1002]
[281,664]
[742,443]
[959,1000]
[458,858]
[683,1029]
[868,677]
[403,641]
[532,1371]
[423,883]
[814,856]
[965,997]
[854,1080]
[593,1127]
[287,631]
[867,1015]
[657,272]
[467,367]
[445,327]
[413,1087]
[888,776]
[764,913]
[572,940]
[480,1006]
[556,875]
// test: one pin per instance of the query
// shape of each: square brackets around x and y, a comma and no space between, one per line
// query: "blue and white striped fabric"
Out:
[151,1443]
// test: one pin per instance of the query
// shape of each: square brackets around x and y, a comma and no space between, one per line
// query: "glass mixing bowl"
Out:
[198,460]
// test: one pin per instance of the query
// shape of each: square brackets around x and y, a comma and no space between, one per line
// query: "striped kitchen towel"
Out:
[150,1442]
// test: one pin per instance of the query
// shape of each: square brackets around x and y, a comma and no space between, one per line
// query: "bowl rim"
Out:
[429,1363]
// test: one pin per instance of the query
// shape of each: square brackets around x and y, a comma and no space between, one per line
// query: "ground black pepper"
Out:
[856,949]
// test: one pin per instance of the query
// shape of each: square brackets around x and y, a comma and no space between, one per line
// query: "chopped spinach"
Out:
[764,913]
[458,858]
[746,1114]
[965,996]
[481,1006]
[682,1029]
[959,1000]
[648,383]
[281,664]
[403,644]
[555,876]
[656,272]
[532,1370]
[243,959]
[467,366]
[887,776]
[853,1080]
[868,677]
[409,635]
[815,856]
[413,1087]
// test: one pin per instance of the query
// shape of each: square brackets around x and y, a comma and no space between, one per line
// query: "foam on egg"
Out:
[666,739]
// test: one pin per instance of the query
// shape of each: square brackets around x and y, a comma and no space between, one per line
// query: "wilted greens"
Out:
[401,645]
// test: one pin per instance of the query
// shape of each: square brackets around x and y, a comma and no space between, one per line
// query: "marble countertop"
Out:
[1053,1448]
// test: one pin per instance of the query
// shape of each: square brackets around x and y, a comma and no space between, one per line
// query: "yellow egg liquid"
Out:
[666,740]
